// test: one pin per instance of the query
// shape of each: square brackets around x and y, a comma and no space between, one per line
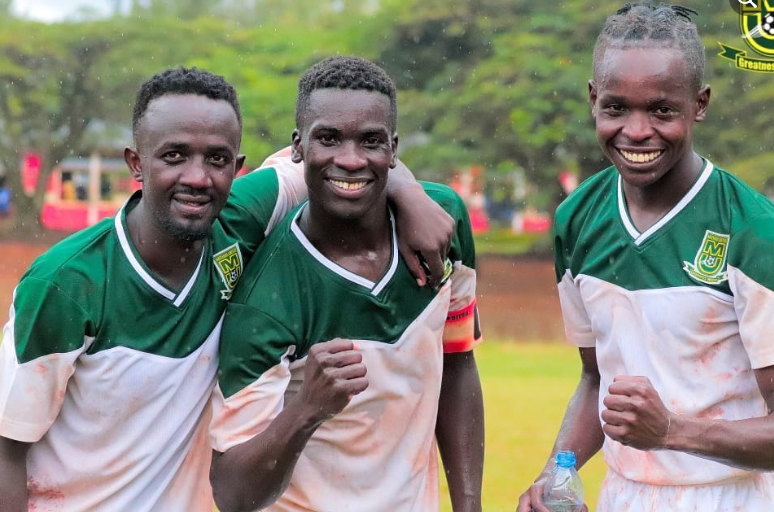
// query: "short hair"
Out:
[347,73]
[638,25]
[184,81]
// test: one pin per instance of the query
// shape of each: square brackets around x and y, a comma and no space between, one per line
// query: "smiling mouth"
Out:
[346,185]
[640,158]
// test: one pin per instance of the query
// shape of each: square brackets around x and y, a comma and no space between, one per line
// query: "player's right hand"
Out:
[333,374]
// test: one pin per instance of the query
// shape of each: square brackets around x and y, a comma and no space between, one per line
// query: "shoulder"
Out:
[271,268]
[446,197]
[80,254]
[602,186]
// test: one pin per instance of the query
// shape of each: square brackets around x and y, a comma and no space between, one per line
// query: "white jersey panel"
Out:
[129,421]
[683,339]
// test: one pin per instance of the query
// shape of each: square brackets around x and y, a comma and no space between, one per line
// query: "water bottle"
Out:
[564,491]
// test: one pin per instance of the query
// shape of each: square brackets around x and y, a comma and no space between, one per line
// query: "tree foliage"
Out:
[495,83]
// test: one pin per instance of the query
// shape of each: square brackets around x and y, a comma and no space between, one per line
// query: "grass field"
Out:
[526,388]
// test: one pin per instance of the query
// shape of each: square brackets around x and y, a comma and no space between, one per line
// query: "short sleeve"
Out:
[45,335]
[751,279]
[462,331]
[261,199]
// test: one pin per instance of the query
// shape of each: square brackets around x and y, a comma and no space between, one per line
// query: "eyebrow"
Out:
[211,148]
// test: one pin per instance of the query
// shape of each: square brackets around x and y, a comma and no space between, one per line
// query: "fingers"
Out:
[435,265]
[414,265]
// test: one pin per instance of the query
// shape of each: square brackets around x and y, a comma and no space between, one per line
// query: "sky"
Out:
[57,10]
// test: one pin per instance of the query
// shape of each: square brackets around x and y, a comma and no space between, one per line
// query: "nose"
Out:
[349,156]
[638,126]
[196,175]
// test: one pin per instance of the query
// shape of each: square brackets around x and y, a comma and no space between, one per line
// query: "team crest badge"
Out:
[229,265]
[756,23]
[708,265]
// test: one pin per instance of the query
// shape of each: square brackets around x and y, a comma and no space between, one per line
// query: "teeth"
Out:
[640,158]
[347,185]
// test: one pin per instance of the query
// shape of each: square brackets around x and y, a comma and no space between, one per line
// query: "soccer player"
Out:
[665,266]
[110,354]
[337,375]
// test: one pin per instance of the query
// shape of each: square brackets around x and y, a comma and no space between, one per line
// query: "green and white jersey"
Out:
[378,454]
[688,304]
[109,372]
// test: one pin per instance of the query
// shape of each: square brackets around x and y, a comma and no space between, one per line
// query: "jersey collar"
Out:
[130,251]
[638,237]
[375,288]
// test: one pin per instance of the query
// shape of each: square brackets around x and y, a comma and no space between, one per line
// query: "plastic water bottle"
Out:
[563,491]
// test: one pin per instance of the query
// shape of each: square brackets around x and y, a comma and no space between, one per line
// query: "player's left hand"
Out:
[635,415]
[424,236]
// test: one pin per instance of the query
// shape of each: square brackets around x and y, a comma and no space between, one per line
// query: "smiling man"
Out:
[110,353]
[665,266]
[335,390]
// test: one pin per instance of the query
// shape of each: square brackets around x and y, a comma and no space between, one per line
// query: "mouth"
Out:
[192,205]
[640,157]
[349,186]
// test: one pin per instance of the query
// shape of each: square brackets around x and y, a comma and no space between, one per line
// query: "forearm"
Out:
[460,431]
[746,444]
[402,186]
[581,430]
[254,474]
[13,475]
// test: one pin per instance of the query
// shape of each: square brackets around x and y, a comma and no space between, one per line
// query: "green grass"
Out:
[503,242]
[526,389]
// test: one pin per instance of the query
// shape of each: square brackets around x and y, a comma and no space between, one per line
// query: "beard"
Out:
[185,229]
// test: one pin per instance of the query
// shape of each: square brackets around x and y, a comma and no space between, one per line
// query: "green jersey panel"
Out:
[267,302]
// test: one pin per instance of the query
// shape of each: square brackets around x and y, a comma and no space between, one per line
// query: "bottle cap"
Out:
[565,459]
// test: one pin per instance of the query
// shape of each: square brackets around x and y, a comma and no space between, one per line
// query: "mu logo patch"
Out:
[710,260]
[229,264]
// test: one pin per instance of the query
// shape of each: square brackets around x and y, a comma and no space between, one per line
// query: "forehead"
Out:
[638,71]
[344,108]
[174,116]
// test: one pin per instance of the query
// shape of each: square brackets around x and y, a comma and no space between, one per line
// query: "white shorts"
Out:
[751,494]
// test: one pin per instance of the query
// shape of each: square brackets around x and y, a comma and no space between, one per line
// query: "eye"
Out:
[665,111]
[328,138]
[614,109]
[373,142]
[219,160]
[172,157]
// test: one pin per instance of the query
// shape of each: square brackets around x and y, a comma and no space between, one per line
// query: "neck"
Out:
[648,204]
[363,245]
[171,259]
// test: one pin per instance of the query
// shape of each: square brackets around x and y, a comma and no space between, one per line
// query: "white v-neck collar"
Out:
[375,288]
[638,237]
[127,246]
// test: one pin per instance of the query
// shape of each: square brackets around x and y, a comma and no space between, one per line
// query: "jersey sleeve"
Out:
[253,374]
[45,335]
[260,199]
[577,324]
[462,331]
[751,279]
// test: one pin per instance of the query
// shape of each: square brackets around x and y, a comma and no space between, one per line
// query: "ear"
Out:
[132,159]
[240,162]
[394,144]
[296,155]
[593,97]
[702,103]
